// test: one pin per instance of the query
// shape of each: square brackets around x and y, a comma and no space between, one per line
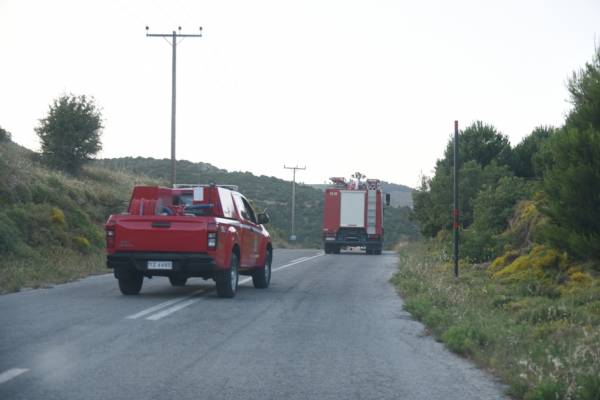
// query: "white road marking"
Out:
[179,303]
[297,262]
[163,305]
[171,310]
[299,259]
[11,373]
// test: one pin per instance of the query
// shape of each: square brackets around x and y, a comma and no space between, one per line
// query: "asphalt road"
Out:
[329,327]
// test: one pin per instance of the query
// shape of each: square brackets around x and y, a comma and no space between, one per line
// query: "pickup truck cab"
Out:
[207,231]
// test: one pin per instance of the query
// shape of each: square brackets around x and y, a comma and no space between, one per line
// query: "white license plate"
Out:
[160,265]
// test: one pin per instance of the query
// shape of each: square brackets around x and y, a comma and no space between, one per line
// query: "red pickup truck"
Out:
[207,231]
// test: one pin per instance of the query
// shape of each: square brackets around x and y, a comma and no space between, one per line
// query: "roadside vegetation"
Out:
[51,222]
[533,320]
[527,303]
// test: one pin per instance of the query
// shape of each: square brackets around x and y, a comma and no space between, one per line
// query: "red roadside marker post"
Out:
[455,211]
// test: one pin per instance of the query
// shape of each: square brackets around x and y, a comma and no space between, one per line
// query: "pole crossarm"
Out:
[171,35]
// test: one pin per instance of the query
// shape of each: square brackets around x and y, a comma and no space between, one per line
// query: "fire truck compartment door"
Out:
[352,211]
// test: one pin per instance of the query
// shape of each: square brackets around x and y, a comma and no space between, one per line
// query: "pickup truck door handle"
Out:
[161,224]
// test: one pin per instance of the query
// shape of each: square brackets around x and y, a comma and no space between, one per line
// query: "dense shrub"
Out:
[572,192]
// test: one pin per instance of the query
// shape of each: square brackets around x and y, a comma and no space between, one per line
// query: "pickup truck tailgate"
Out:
[161,234]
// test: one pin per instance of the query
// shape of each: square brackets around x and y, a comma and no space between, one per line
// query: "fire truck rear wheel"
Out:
[131,284]
[262,276]
[227,281]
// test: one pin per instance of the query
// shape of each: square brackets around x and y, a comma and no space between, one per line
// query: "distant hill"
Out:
[401,196]
[270,193]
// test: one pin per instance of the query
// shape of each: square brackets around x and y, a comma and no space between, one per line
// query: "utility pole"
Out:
[455,212]
[293,235]
[174,35]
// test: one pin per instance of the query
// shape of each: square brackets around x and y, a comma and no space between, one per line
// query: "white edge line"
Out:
[11,373]
[179,306]
[163,305]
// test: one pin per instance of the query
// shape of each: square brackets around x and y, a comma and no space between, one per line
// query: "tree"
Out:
[484,158]
[481,143]
[572,192]
[527,156]
[5,135]
[572,174]
[70,134]
[584,88]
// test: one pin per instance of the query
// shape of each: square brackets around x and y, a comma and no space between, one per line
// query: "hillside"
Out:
[51,224]
[268,193]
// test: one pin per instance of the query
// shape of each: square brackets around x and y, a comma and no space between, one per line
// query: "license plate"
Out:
[160,265]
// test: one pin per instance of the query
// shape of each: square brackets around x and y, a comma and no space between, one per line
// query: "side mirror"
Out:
[263,218]
[388,199]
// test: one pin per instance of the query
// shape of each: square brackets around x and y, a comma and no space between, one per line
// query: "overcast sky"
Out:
[339,86]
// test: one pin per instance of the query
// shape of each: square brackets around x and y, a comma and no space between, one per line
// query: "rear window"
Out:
[226,202]
[199,209]
[186,199]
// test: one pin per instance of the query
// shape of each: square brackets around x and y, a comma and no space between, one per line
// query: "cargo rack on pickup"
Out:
[193,185]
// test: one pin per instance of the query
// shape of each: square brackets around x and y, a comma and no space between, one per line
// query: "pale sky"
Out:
[339,86]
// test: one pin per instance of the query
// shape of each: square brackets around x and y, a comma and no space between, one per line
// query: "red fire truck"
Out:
[353,215]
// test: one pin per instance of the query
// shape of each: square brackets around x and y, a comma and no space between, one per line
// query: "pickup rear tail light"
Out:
[110,237]
[212,240]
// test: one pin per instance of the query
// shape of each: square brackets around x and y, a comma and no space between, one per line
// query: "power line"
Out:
[293,235]
[174,35]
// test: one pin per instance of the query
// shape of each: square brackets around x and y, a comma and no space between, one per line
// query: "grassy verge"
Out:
[54,266]
[540,336]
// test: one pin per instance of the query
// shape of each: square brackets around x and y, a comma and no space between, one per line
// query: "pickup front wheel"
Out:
[131,283]
[227,281]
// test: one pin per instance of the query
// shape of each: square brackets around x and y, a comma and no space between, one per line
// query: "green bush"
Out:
[465,338]
[82,244]
[419,308]
[547,390]
[9,234]
[589,387]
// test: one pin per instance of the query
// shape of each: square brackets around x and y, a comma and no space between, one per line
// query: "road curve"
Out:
[329,327]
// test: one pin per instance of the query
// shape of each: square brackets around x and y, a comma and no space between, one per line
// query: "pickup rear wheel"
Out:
[178,280]
[131,284]
[262,276]
[227,281]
